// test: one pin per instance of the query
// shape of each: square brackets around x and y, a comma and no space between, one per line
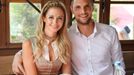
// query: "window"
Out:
[19,23]
[96,12]
[23,19]
[122,18]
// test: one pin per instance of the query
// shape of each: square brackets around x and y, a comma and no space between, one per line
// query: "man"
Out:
[95,46]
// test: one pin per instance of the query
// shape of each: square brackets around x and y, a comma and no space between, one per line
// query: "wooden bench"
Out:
[6,65]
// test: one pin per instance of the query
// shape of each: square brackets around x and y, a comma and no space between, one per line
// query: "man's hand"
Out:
[17,65]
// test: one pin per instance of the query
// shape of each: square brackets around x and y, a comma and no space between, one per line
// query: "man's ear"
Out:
[71,7]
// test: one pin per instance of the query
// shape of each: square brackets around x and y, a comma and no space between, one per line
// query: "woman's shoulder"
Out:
[29,41]
[27,46]
[26,43]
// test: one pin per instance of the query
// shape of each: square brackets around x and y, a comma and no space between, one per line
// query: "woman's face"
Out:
[54,19]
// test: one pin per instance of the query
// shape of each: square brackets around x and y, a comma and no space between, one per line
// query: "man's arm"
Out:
[117,55]
[17,65]
[116,51]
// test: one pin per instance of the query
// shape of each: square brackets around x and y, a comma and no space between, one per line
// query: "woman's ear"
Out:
[44,19]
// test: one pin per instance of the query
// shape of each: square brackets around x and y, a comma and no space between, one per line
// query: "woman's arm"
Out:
[28,59]
[66,68]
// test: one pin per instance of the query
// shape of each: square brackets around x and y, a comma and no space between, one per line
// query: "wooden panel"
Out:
[6,65]
[129,61]
[2,25]
[127,45]
[8,51]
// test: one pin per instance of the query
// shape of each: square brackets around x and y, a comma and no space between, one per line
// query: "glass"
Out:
[23,19]
[122,18]
[96,12]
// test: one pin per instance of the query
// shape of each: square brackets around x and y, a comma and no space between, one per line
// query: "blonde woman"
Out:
[49,51]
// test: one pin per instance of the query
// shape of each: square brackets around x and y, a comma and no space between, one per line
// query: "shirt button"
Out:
[89,61]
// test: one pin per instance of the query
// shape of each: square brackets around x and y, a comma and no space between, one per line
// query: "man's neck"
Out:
[86,30]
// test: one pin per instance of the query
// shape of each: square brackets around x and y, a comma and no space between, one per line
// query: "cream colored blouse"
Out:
[44,65]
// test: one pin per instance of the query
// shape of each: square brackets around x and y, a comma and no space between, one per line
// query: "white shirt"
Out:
[95,54]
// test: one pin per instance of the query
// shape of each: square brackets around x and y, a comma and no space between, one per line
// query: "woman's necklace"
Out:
[51,39]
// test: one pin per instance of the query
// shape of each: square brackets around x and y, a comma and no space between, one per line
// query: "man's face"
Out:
[82,10]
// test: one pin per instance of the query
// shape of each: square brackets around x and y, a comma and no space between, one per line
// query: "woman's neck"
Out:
[51,38]
[49,35]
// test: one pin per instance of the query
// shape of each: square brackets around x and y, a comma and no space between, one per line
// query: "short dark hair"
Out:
[91,1]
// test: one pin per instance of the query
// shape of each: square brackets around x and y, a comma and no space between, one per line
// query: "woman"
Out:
[49,51]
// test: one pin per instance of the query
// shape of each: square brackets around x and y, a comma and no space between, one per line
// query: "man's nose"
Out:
[83,10]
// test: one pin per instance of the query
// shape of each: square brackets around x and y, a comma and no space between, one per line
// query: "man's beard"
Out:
[84,23]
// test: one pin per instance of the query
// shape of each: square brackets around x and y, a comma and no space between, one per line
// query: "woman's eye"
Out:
[50,17]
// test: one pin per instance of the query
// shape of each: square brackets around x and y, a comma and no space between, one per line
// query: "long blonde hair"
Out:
[62,40]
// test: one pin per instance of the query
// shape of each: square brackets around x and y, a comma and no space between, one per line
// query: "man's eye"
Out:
[60,18]
[77,7]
